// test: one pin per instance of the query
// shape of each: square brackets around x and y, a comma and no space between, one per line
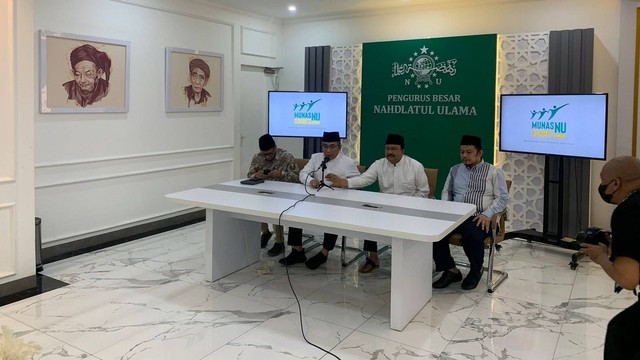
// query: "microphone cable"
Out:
[305,185]
[286,267]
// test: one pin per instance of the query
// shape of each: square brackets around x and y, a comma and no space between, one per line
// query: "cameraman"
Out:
[621,261]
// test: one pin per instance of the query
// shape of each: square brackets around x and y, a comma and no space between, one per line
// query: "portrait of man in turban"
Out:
[91,70]
[195,93]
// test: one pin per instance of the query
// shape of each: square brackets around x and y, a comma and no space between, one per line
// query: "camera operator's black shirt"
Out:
[625,228]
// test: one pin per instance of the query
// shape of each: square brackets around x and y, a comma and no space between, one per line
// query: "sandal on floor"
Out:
[368,266]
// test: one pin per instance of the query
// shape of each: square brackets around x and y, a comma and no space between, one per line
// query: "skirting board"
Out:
[93,243]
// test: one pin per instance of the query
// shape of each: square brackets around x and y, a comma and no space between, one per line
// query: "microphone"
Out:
[324,163]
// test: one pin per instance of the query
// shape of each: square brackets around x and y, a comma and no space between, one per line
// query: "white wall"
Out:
[99,172]
[17,245]
[501,18]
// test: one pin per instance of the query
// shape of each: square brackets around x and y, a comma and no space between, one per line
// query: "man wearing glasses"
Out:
[272,163]
[311,175]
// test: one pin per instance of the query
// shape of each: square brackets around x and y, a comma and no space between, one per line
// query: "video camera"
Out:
[593,236]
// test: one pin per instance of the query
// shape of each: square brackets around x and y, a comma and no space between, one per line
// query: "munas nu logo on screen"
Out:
[543,127]
[302,114]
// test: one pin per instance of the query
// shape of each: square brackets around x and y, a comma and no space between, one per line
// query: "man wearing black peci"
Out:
[396,173]
[336,163]
[272,163]
[475,182]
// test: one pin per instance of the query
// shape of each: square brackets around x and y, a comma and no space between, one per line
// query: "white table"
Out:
[411,224]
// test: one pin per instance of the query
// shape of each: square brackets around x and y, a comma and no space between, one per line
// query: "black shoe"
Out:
[471,281]
[294,257]
[447,278]
[317,260]
[264,239]
[276,249]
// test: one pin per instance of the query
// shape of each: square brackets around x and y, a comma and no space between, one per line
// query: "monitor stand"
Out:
[567,243]
[533,235]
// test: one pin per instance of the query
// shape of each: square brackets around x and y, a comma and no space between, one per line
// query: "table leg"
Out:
[231,244]
[410,279]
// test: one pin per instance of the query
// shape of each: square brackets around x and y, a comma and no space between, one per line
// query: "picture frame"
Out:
[83,74]
[193,80]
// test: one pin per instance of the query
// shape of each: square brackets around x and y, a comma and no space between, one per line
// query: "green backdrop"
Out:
[431,91]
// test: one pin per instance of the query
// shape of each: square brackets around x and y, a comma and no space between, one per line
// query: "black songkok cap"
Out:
[471,140]
[266,142]
[395,139]
[332,136]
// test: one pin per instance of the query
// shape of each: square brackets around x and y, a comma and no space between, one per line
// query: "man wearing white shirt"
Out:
[396,173]
[331,157]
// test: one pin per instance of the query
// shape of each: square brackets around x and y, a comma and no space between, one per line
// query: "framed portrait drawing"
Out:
[193,80]
[83,74]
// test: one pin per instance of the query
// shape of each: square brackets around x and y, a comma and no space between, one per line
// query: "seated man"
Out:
[474,182]
[336,163]
[272,163]
[396,173]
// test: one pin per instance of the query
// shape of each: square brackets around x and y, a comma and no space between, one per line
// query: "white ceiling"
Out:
[307,9]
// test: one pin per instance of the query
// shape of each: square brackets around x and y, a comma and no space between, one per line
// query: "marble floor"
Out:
[148,299]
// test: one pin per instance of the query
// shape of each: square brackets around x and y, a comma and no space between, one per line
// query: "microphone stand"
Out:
[322,183]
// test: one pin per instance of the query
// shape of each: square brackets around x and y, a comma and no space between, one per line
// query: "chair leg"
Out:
[502,275]
[492,284]
[309,240]
[343,253]
[383,249]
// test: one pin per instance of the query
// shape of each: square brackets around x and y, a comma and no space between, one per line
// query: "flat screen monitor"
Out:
[572,125]
[307,114]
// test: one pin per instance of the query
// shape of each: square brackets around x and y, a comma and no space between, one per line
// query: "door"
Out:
[254,89]
[17,99]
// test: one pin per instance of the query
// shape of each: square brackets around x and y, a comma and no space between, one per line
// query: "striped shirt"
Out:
[482,185]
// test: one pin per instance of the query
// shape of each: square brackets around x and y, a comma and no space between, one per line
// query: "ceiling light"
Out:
[292,8]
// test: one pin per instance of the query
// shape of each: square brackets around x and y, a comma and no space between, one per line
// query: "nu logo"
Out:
[424,68]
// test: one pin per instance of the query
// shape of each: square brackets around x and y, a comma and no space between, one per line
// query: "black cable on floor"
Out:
[289,276]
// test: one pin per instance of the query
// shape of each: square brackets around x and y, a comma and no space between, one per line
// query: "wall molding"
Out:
[155,6]
[7,180]
[132,173]
[8,239]
[267,38]
[6,274]
[7,205]
[131,156]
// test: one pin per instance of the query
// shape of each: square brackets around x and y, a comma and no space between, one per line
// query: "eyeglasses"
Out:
[330,146]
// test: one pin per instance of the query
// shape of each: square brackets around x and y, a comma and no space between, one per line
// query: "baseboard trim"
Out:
[97,242]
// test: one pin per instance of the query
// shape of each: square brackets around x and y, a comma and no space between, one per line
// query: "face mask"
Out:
[606,197]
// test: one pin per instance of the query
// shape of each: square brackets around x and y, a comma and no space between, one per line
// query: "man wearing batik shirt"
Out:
[272,163]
